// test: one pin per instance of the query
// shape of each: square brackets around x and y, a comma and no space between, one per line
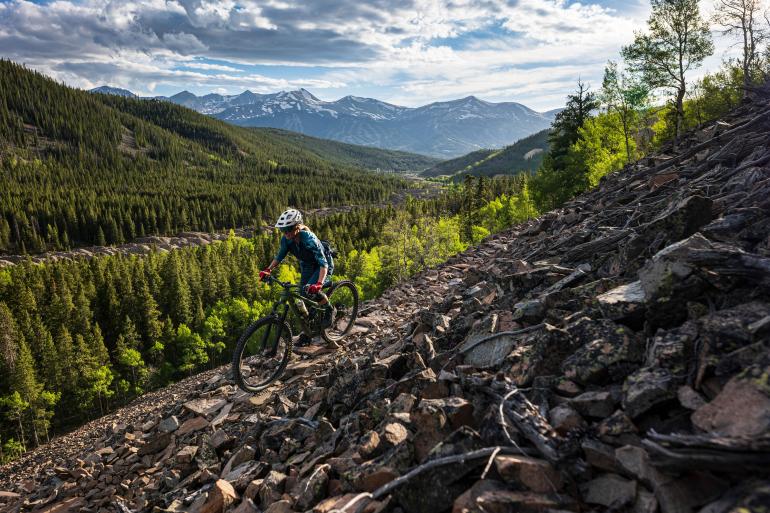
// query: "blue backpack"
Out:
[329,252]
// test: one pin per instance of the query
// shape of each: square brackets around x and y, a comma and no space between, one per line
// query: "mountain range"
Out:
[441,129]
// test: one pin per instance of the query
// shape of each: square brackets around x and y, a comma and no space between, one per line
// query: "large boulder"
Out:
[742,408]
[608,351]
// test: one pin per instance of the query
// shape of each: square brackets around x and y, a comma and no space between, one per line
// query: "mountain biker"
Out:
[315,270]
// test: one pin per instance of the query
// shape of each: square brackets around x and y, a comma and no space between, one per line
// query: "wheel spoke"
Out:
[344,298]
[262,354]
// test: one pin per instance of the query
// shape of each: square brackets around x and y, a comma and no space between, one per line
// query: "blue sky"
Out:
[407,52]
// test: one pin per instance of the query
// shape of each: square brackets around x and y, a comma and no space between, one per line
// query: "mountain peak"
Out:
[473,100]
[112,90]
[183,96]
[304,94]
[356,99]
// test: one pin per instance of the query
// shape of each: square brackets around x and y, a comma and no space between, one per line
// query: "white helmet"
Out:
[290,217]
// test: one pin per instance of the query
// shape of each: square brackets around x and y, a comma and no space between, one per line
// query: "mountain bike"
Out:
[265,347]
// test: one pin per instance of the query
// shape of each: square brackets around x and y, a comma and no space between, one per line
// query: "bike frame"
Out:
[286,303]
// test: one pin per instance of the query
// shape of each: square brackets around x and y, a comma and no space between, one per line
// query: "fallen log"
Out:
[438,462]
[709,452]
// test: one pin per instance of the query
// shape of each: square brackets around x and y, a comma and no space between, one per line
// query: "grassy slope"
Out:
[510,160]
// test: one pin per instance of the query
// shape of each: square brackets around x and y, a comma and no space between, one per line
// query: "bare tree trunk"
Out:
[21,435]
[679,113]
[34,434]
[738,17]
[624,119]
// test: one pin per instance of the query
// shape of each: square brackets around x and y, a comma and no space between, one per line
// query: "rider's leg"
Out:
[329,310]
[306,273]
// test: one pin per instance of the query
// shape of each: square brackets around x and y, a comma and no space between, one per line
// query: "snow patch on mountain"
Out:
[441,129]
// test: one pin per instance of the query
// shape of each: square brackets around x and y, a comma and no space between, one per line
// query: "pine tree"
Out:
[466,213]
[70,373]
[151,325]
[101,240]
[9,346]
[49,362]
[129,359]
[24,381]
[178,300]
[96,346]
[562,174]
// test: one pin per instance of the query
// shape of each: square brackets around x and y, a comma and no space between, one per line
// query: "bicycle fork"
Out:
[266,338]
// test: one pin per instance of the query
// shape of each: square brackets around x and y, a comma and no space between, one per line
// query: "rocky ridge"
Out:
[609,356]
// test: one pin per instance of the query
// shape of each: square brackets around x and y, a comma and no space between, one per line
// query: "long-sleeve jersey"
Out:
[307,248]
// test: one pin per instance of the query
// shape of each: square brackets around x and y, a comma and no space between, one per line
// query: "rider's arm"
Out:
[282,252]
[273,264]
[322,274]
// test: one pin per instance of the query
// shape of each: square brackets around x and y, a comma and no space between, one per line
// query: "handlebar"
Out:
[285,284]
[288,285]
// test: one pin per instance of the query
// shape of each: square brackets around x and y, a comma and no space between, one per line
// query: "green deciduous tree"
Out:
[365,269]
[14,408]
[190,349]
[714,95]
[677,41]
[129,360]
[602,146]
[627,96]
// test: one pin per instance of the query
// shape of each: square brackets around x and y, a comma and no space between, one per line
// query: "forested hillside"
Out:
[80,169]
[375,159]
[524,155]
[459,164]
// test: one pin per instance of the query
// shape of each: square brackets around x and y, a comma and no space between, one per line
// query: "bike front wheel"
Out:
[262,353]
[343,296]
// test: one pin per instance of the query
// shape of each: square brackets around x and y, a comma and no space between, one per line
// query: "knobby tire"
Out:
[334,336]
[285,334]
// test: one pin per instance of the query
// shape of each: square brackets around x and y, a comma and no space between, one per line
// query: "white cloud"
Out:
[557,22]
[211,67]
[416,51]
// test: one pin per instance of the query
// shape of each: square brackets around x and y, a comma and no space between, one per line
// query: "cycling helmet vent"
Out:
[289,217]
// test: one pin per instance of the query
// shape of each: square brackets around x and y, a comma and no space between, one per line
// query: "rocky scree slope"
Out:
[609,356]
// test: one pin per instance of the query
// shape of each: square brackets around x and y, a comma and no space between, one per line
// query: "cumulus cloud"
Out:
[213,67]
[414,50]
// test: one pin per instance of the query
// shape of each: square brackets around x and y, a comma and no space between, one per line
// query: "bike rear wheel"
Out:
[343,295]
[262,353]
